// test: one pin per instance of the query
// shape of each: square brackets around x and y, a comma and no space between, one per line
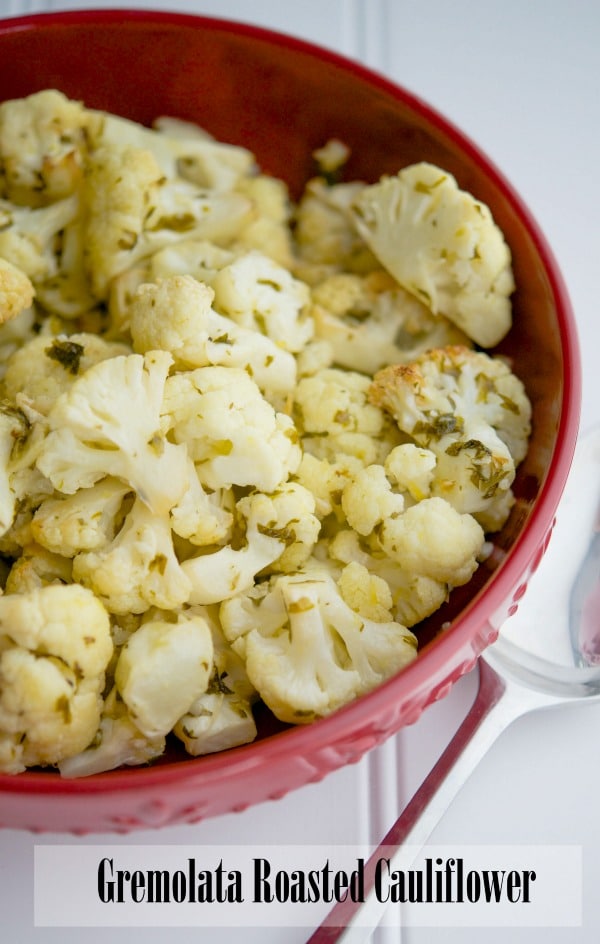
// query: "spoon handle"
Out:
[495,706]
[584,602]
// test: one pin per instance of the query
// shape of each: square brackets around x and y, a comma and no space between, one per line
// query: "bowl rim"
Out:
[344,723]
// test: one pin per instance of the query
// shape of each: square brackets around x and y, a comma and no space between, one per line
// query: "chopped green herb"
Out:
[303,605]
[177,222]
[287,535]
[67,353]
[218,685]
[438,426]
[63,707]
[159,563]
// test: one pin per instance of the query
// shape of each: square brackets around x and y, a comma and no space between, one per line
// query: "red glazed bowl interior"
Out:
[282,98]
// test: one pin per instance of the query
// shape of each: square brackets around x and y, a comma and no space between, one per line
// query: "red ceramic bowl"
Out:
[282,98]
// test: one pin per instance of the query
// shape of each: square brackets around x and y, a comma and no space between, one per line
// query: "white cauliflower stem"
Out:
[28,236]
[133,211]
[371,321]
[203,517]
[13,427]
[180,148]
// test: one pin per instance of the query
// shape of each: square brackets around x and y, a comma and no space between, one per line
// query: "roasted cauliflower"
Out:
[248,442]
[473,413]
[55,645]
[442,245]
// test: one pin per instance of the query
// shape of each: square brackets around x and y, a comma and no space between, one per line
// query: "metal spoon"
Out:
[547,655]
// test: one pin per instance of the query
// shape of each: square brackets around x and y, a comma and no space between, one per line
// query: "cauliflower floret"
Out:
[118,742]
[43,141]
[326,480]
[138,569]
[16,291]
[315,357]
[180,148]
[108,423]
[37,567]
[335,401]
[429,539]
[410,469]
[218,720]
[335,417]
[269,231]
[44,367]
[331,158]
[162,669]
[45,244]
[326,238]
[176,315]
[366,593]
[413,596]
[434,540]
[306,651]
[234,436]
[196,257]
[81,522]
[221,717]
[296,509]
[443,246]
[472,412]
[368,500]
[133,211]
[55,645]
[258,294]
[371,321]
[273,526]
[203,517]
[28,237]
